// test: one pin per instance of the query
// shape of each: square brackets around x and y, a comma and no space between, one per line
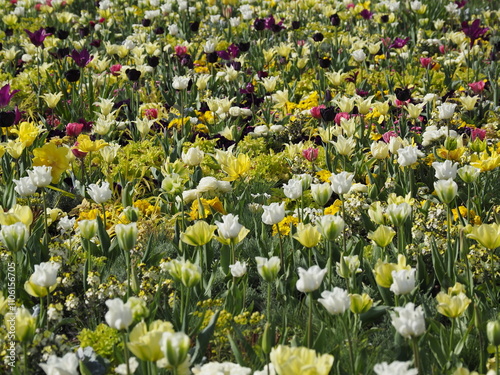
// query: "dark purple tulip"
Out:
[81,58]
[7,119]
[259,24]
[295,25]
[6,95]
[318,37]
[38,36]
[335,19]
[399,43]
[328,113]
[146,22]
[366,14]
[72,75]
[473,31]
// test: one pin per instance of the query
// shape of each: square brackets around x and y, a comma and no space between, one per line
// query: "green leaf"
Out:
[203,339]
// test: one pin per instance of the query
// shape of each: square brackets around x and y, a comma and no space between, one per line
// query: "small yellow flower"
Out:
[334,208]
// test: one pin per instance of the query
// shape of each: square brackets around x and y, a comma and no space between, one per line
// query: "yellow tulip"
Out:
[198,234]
[382,236]
[145,343]
[300,361]
[488,235]
[307,235]
[452,306]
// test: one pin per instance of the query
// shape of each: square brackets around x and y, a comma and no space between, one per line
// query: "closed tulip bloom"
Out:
[376,213]
[100,194]
[273,213]
[493,332]
[310,279]
[321,193]
[409,320]
[193,156]
[331,226]
[25,187]
[395,368]
[359,55]
[175,347]
[446,190]
[344,146]
[383,271]
[336,301]
[24,324]
[408,155]
[45,274]
[66,365]
[379,150]
[488,235]
[119,315]
[41,176]
[268,268]
[293,189]
[238,269]
[198,234]
[348,265]
[452,306]
[184,271]
[145,343]
[403,281]
[468,173]
[341,182]
[126,235]
[88,228]
[230,227]
[360,303]
[299,361]
[14,236]
[445,170]
[398,213]
[307,235]
[180,82]
[446,110]
[382,236]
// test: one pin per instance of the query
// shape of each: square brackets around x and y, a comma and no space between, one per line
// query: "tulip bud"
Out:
[321,193]
[446,190]
[361,303]
[131,213]
[126,234]
[450,144]
[493,332]
[88,228]
[24,323]
[175,346]
[139,308]
[267,339]
[14,236]
[382,236]
[268,268]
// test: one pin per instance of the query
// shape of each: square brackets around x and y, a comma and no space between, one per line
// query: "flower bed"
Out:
[238,187]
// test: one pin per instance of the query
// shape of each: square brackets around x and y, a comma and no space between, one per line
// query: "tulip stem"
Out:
[344,241]
[416,354]
[184,312]
[281,243]
[103,215]
[309,321]
[497,361]
[268,307]
[45,219]
[452,330]
[125,350]
[25,357]
[349,342]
